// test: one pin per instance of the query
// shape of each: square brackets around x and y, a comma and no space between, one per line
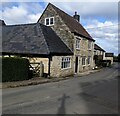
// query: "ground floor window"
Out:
[65,62]
[89,58]
[83,60]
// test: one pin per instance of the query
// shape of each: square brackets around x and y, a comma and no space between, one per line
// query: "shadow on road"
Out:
[62,109]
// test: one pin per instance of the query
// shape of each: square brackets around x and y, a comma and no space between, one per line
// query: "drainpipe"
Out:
[49,63]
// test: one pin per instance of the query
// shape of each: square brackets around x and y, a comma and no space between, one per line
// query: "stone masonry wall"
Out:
[55,69]
[84,51]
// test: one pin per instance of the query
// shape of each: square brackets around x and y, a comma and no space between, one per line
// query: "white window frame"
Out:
[49,18]
[65,63]
[82,60]
[77,43]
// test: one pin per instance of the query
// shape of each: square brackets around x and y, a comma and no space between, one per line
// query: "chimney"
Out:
[2,23]
[77,17]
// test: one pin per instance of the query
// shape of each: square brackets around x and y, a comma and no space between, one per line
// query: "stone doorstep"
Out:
[39,81]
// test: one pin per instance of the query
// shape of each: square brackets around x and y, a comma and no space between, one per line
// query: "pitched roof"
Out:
[96,47]
[73,25]
[109,54]
[32,39]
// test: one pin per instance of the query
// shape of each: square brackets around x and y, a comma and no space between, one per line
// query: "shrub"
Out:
[14,69]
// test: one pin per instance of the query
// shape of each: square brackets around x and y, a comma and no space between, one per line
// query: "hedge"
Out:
[14,69]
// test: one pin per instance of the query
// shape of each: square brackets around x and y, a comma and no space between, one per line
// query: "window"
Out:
[49,21]
[77,43]
[89,45]
[83,60]
[89,59]
[65,62]
[95,53]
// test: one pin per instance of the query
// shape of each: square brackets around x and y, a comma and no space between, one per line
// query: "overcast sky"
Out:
[99,18]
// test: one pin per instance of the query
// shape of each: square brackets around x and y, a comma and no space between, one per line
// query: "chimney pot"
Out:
[76,16]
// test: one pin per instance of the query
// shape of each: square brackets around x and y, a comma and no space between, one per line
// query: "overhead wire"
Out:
[103,26]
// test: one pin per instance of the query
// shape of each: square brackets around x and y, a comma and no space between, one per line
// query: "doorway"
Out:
[76,64]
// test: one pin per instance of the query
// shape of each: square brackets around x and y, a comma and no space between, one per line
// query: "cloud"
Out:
[21,13]
[105,34]
[87,10]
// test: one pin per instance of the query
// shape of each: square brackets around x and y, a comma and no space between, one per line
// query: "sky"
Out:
[100,19]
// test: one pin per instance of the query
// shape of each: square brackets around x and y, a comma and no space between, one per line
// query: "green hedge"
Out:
[14,69]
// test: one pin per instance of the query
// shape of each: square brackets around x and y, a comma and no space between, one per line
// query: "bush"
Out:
[14,69]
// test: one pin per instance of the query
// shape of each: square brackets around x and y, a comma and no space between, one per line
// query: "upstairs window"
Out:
[49,21]
[77,43]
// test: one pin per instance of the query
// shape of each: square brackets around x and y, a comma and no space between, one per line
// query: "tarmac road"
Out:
[96,93]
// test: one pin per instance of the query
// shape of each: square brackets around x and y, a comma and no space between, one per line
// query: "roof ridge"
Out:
[61,10]
[40,25]
[21,24]
[99,47]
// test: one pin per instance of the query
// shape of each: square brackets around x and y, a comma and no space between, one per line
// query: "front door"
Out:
[76,64]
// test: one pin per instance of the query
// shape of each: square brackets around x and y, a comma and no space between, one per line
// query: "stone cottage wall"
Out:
[57,71]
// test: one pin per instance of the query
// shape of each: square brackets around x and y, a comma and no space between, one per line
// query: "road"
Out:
[96,93]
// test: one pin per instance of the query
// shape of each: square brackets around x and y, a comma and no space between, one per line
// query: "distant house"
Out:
[100,52]
[76,38]
[109,56]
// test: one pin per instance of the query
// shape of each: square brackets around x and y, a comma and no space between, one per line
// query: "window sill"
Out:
[77,48]
[65,68]
[89,49]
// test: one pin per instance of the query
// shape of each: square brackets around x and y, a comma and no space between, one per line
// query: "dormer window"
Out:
[49,21]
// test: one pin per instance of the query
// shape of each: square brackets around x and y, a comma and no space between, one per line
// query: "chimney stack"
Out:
[77,17]
[2,23]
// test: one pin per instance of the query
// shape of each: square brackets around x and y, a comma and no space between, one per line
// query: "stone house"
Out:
[74,35]
[100,52]
[109,56]
[99,55]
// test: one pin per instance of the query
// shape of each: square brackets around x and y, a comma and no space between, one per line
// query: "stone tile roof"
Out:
[33,39]
[96,47]
[73,25]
